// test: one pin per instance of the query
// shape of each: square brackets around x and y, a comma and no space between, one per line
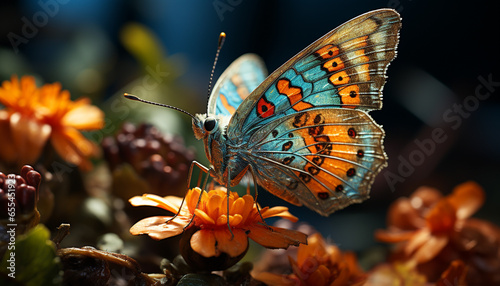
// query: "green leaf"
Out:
[35,261]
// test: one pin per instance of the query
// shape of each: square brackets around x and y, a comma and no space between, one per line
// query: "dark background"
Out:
[445,46]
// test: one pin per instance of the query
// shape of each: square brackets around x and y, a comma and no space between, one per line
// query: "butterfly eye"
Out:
[210,124]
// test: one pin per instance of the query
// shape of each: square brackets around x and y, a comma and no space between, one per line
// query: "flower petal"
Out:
[8,152]
[321,275]
[222,220]
[213,206]
[467,198]
[404,213]
[73,147]
[84,117]
[238,206]
[315,247]
[235,220]
[281,212]
[29,137]
[393,236]
[203,242]
[176,202]
[232,245]
[430,248]
[247,208]
[275,237]
[157,228]
[418,239]
[156,201]
[193,196]
[204,216]
[442,217]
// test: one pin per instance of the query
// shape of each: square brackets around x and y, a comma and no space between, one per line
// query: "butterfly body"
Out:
[304,131]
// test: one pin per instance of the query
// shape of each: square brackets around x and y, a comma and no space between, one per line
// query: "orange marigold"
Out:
[442,219]
[432,230]
[209,235]
[33,115]
[318,263]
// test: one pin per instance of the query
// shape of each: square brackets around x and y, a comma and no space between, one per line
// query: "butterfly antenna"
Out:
[133,97]
[222,38]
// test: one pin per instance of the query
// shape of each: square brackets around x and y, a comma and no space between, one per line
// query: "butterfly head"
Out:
[204,125]
[210,129]
[199,128]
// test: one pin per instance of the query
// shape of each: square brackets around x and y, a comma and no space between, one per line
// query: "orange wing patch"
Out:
[339,78]
[334,65]
[294,95]
[265,108]
[318,139]
[226,104]
[327,51]
[350,95]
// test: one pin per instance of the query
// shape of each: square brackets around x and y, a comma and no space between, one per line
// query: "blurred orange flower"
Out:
[211,236]
[446,216]
[431,231]
[33,115]
[318,263]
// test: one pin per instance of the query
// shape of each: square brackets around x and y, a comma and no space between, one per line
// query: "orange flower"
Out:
[431,231]
[442,220]
[318,263]
[33,115]
[209,235]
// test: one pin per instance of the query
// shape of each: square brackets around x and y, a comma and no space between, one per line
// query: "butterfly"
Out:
[304,132]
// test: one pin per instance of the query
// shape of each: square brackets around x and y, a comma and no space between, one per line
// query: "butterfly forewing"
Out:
[343,69]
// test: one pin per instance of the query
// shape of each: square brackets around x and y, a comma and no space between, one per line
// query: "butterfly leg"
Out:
[256,195]
[228,184]
[190,174]
[209,172]
[203,169]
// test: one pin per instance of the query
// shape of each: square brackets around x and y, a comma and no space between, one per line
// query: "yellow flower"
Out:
[318,263]
[209,235]
[33,115]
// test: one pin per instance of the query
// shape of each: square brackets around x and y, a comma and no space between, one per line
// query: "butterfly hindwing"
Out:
[236,84]
[323,158]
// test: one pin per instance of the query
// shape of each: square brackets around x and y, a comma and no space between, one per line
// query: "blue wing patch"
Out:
[235,84]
